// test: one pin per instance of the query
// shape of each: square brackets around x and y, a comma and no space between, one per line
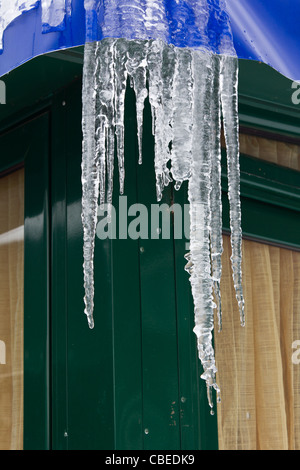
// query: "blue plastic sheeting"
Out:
[25,39]
[259,30]
[184,23]
[268,31]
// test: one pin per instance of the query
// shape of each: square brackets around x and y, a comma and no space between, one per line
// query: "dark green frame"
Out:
[28,145]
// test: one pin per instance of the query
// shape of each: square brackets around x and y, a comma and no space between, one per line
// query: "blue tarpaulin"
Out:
[266,30]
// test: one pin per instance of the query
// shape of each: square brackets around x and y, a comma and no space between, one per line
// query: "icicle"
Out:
[229,98]
[187,88]
[10,10]
[105,113]
[136,66]
[199,192]
[53,14]
[90,177]
[216,239]
[121,46]
[182,117]
[161,62]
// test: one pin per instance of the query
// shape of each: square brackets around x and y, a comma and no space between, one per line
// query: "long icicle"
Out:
[161,64]
[90,177]
[182,117]
[186,88]
[106,117]
[199,192]
[229,99]
[120,88]
[216,239]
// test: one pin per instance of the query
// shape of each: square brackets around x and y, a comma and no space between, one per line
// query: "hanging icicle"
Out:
[229,99]
[90,176]
[189,89]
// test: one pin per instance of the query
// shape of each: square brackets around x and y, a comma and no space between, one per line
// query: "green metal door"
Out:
[132,382]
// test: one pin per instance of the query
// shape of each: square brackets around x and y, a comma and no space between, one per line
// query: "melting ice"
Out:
[11,9]
[53,13]
[191,91]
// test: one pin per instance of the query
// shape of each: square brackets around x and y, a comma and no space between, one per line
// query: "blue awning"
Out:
[266,31]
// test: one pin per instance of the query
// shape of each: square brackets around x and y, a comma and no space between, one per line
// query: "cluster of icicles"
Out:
[190,92]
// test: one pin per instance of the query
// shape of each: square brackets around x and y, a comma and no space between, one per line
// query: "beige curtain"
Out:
[274,151]
[281,153]
[258,371]
[11,310]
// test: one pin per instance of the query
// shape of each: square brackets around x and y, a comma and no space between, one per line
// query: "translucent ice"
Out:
[90,176]
[199,194]
[216,240]
[53,13]
[188,90]
[229,98]
[11,9]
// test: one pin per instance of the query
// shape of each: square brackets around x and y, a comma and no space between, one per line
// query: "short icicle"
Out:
[136,66]
[182,117]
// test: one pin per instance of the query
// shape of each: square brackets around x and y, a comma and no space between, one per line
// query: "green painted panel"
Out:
[266,100]
[270,201]
[127,334]
[59,338]
[37,423]
[28,87]
[198,426]
[125,377]
[90,393]
[161,417]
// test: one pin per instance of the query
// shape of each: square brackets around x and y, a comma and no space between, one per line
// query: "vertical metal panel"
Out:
[86,399]
[126,309]
[133,381]
[112,384]
[198,427]
[37,426]
[159,326]
[59,406]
